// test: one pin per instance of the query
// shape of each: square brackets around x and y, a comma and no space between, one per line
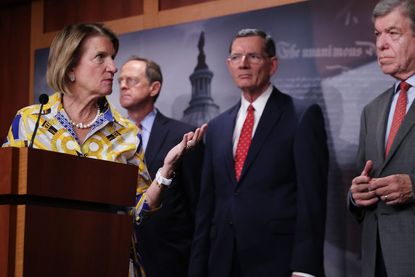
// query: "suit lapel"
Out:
[381,127]
[156,139]
[228,129]
[272,112]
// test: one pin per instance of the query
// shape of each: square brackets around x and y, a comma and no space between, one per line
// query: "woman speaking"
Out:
[78,119]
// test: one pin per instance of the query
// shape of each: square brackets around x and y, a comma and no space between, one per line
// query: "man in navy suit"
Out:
[263,214]
[164,239]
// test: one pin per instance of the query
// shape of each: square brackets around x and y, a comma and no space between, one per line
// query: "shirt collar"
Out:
[148,121]
[55,104]
[410,80]
[259,103]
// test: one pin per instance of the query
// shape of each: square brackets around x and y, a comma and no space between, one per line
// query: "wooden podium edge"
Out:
[23,160]
[21,214]
[20,234]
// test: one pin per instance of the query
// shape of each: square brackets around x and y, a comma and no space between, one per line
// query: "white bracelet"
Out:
[162,180]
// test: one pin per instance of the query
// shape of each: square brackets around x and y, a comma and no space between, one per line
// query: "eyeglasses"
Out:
[129,81]
[252,58]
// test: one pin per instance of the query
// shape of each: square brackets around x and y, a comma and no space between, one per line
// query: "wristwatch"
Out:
[162,180]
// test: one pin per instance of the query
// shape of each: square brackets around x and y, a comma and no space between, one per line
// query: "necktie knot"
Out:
[251,108]
[140,127]
[404,86]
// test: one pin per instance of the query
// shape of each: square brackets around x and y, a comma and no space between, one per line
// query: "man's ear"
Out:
[274,65]
[155,88]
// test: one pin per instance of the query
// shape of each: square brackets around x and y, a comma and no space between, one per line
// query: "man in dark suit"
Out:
[382,197]
[164,239]
[262,204]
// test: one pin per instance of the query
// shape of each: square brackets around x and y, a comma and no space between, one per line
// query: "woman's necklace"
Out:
[81,125]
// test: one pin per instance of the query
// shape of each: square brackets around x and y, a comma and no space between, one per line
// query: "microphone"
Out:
[43,99]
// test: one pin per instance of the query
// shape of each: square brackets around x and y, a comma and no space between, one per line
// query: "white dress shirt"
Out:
[259,106]
[146,126]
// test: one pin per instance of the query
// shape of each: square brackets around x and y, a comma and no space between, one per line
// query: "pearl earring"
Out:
[72,77]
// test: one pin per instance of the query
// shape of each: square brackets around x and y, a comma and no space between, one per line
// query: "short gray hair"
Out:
[269,44]
[386,6]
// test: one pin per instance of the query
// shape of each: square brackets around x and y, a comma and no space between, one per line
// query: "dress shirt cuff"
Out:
[303,274]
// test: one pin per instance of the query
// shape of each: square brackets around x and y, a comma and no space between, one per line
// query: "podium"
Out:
[62,215]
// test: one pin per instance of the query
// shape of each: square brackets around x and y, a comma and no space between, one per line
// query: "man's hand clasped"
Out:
[393,190]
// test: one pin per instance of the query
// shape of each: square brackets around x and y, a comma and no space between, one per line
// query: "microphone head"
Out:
[43,98]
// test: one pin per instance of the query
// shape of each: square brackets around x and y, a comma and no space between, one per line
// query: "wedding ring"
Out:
[386,198]
[189,144]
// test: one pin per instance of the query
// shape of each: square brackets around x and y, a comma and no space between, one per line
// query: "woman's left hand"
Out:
[189,141]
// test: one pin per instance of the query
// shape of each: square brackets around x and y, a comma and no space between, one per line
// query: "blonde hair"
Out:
[66,50]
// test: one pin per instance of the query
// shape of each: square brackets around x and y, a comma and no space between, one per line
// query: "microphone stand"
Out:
[43,99]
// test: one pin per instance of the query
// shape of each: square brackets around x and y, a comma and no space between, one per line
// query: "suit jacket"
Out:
[165,237]
[395,224]
[274,217]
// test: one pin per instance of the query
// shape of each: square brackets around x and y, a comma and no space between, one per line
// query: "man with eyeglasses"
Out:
[164,239]
[262,204]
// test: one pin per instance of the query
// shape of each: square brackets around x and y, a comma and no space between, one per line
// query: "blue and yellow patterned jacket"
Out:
[111,138]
